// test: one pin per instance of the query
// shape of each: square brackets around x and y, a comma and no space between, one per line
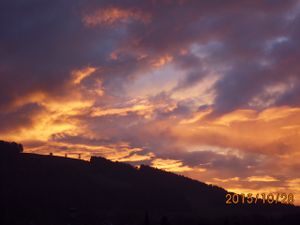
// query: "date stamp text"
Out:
[265,198]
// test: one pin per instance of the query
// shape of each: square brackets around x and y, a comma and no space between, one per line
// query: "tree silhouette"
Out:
[10,148]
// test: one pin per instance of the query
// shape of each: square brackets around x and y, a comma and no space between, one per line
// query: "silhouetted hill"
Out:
[38,189]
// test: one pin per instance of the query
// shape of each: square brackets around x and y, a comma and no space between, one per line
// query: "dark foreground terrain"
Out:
[49,190]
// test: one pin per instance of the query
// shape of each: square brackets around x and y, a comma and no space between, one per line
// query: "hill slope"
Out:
[56,190]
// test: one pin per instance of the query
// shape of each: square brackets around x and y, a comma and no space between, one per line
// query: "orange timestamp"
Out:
[265,198]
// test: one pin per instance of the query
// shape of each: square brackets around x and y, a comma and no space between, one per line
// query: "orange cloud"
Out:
[141,109]
[273,133]
[137,158]
[261,179]
[57,112]
[163,60]
[270,131]
[79,75]
[112,15]
[226,180]
[173,165]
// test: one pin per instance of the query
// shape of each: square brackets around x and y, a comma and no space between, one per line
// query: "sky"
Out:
[206,89]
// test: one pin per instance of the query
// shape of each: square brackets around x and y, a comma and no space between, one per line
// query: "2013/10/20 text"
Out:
[266,198]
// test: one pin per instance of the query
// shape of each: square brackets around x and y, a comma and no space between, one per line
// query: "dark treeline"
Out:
[50,190]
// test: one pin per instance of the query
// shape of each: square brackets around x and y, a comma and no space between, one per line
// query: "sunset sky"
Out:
[206,88]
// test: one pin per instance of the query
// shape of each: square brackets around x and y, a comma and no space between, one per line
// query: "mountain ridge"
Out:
[54,189]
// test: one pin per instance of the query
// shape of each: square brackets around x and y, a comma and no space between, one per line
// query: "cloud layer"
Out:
[209,89]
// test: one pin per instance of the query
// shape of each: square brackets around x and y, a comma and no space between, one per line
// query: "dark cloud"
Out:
[44,41]
[22,117]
